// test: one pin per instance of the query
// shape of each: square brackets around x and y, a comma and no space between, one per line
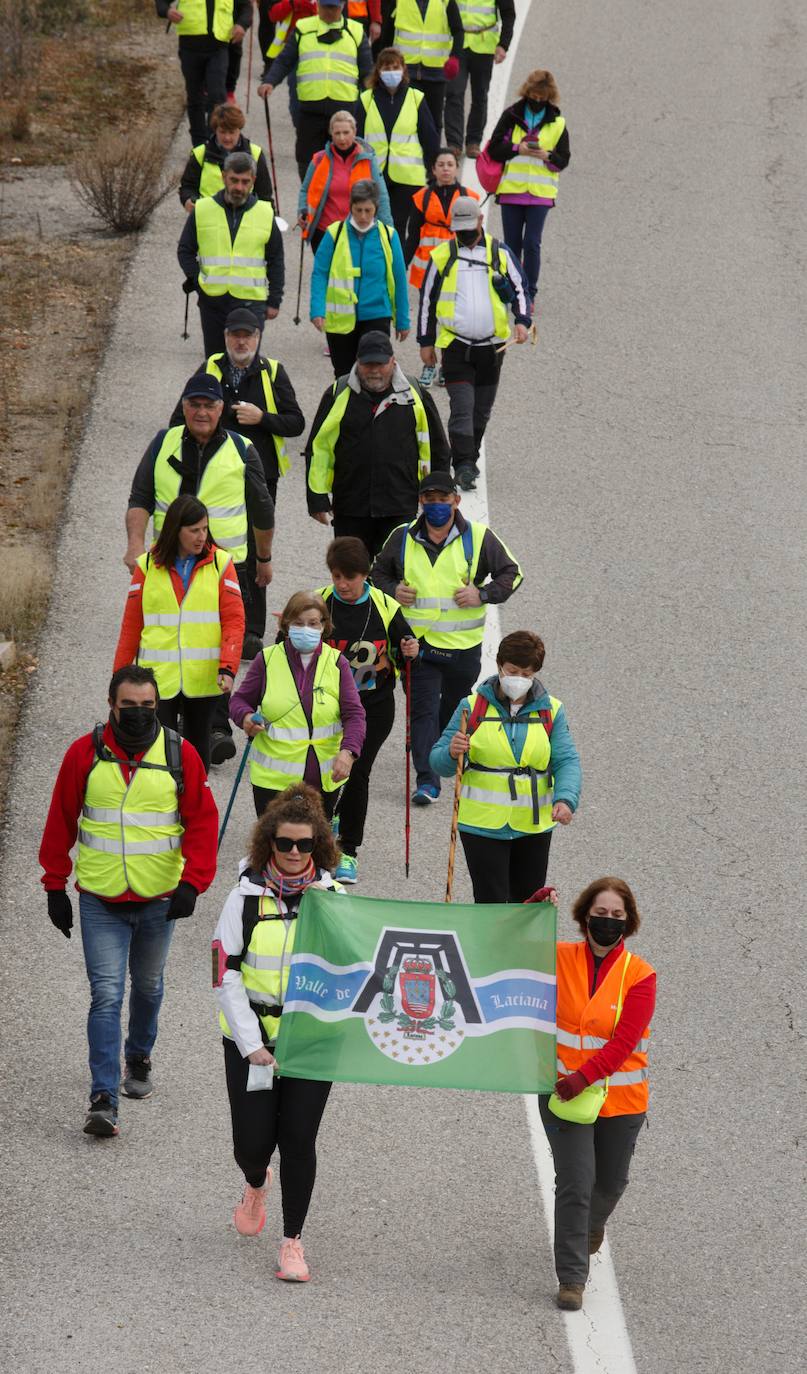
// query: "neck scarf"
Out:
[284,884]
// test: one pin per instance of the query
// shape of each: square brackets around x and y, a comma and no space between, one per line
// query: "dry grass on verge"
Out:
[24,591]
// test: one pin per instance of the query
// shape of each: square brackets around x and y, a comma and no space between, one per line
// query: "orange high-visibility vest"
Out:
[436,229]
[586,1024]
[357,9]
[361,170]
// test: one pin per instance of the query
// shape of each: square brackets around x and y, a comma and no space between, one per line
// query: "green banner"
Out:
[421,993]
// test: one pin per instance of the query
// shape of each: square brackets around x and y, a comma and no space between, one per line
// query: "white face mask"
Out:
[514,687]
[362,228]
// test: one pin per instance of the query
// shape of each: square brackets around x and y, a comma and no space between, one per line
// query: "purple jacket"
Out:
[249,696]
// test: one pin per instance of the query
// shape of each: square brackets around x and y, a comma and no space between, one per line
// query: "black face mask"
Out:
[467,237]
[137,727]
[605,930]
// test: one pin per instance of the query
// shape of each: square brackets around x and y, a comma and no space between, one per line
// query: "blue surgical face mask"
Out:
[392,79]
[438,513]
[304,638]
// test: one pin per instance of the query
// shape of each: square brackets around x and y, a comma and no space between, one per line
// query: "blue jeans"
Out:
[523,226]
[440,679]
[138,935]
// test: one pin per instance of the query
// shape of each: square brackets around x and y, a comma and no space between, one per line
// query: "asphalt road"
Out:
[643,463]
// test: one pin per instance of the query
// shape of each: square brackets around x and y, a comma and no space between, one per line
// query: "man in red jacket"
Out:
[136,798]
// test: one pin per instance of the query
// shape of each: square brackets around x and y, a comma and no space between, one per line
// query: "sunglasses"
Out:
[285,845]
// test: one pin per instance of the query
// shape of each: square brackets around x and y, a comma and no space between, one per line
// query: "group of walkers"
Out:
[409,580]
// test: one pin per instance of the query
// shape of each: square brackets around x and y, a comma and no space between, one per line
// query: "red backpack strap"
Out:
[478,712]
[547,720]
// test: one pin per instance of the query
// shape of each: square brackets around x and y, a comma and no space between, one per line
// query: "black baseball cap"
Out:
[437,481]
[202,384]
[374,347]
[242,319]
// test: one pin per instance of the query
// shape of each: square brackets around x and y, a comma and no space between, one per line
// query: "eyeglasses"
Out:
[286,845]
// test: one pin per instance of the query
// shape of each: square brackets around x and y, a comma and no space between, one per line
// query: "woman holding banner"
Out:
[292,849]
[521,777]
[606,999]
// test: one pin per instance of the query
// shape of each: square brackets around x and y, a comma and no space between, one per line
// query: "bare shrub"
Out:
[54,16]
[120,178]
[20,123]
[24,591]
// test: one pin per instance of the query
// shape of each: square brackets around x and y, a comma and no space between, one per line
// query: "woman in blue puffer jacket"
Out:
[521,775]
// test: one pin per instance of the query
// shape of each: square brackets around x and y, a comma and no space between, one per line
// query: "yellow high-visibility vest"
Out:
[446,301]
[529,175]
[435,616]
[323,453]
[212,178]
[328,71]
[482,25]
[222,489]
[181,641]
[341,297]
[279,40]
[194,19]
[492,775]
[268,374]
[424,39]
[279,752]
[237,267]
[401,153]
[130,834]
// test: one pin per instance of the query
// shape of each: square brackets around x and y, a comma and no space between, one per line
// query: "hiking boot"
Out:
[595,1240]
[465,478]
[102,1116]
[472,150]
[291,1264]
[425,794]
[249,1217]
[222,747]
[348,870]
[428,374]
[137,1079]
[252,646]
[570,1296]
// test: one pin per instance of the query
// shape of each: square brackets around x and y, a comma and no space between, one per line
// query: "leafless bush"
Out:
[120,178]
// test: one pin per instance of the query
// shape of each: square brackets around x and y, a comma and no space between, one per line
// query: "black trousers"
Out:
[372,530]
[213,311]
[262,796]
[591,1174]
[471,373]
[479,67]
[435,93]
[440,679]
[312,135]
[235,51]
[196,714]
[285,1118]
[254,596]
[506,870]
[400,199]
[355,794]
[205,76]
[344,346]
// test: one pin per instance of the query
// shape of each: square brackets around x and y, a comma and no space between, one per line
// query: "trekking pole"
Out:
[452,848]
[271,152]
[185,334]
[408,694]
[300,279]
[257,718]
[249,61]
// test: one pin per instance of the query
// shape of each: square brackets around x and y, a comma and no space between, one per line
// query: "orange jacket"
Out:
[435,230]
[231,614]
[586,1027]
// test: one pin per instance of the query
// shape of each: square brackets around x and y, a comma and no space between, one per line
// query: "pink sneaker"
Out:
[291,1264]
[249,1216]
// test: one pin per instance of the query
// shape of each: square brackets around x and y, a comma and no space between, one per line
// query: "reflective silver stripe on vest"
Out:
[343,283]
[273,962]
[105,814]
[564,1038]
[624,1080]
[296,770]
[642,1047]
[446,626]
[173,655]
[332,309]
[434,603]
[209,280]
[161,505]
[592,1042]
[479,794]
[237,260]
[188,617]
[225,512]
[350,74]
[235,543]
[291,733]
[138,847]
[426,242]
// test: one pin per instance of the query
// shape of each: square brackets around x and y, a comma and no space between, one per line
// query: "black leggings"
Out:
[197,719]
[286,1118]
[356,791]
[506,870]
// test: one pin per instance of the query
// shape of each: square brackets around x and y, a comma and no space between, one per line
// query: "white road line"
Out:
[597,1337]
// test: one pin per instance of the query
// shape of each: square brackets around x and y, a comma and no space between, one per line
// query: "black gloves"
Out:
[60,912]
[189,286]
[182,902]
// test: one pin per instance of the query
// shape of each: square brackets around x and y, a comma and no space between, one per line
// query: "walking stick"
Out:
[408,694]
[452,848]
[249,61]
[271,152]
[185,334]
[300,279]
[257,717]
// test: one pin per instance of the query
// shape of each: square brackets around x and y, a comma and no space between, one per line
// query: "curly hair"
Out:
[541,87]
[298,805]
[581,908]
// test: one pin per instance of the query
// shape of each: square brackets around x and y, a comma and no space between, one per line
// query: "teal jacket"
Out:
[564,758]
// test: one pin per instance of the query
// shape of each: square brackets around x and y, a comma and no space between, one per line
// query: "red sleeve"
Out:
[281,10]
[200,818]
[61,827]
[374,11]
[637,1013]
[131,628]
[231,615]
